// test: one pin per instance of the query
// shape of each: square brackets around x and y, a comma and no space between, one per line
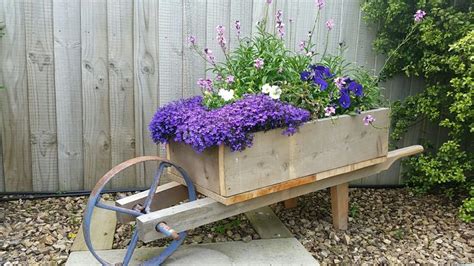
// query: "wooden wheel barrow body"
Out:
[158,214]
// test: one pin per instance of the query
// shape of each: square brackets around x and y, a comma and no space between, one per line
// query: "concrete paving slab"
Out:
[267,224]
[283,251]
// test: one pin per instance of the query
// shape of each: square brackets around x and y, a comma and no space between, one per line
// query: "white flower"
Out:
[275,92]
[266,88]
[227,95]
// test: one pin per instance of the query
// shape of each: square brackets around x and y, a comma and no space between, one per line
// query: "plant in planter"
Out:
[229,139]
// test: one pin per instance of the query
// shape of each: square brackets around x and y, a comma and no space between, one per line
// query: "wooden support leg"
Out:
[340,205]
[291,203]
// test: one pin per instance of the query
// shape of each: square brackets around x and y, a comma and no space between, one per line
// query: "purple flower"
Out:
[368,119]
[229,79]
[258,63]
[329,111]
[210,56]
[419,15]
[205,84]
[192,40]
[269,1]
[330,24]
[188,121]
[279,23]
[319,4]
[340,82]
[317,75]
[237,28]
[220,36]
[345,99]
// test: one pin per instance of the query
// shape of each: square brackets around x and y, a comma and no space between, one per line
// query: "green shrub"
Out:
[440,50]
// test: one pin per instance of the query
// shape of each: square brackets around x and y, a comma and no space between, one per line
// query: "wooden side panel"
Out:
[203,168]
[95,91]
[67,69]
[41,94]
[14,100]
[146,82]
[318,146]
[120,64]
[194,67]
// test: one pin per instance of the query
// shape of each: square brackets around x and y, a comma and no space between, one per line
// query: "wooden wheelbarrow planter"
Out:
[157,214]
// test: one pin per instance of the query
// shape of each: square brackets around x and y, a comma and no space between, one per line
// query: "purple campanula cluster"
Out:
[279,23]
[188,121]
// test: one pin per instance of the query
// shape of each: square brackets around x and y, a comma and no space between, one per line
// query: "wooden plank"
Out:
[14,99]
[41,94]
[67,69]
[2,95]
[217,13]
[194,67]
[303,21]
[350,19]
[228,200]
[267,224]
[120,64]
[102,231]
[146,82]
[329,39]
[340,205]
[166,195]
[203,168]
[275,158]
[95,91]
[203,211]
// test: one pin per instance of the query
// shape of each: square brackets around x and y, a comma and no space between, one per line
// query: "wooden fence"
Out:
[82,79]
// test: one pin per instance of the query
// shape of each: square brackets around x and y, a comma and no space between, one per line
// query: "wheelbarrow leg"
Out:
[340,205]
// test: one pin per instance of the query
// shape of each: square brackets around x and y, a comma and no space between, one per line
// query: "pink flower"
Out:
[229,79]
[192,40]
[279,23]
[258,63]
[419,15]
[210,56]
[302,45]
[340,82]
[220,36]
[329,111]
[237,27]
[368,119]
[269,1]
[330,24]
[319,4]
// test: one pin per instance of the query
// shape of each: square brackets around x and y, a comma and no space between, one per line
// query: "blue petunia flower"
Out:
[345,99]
[305,75]
[356,88]
[321,82]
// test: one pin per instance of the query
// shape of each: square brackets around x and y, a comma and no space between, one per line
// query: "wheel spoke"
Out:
[99,204]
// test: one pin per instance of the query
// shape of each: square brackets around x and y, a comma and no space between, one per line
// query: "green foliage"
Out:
[224,227]
[283,67]
[439,49]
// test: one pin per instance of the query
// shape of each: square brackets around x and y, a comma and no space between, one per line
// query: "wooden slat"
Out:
[332,10]
[194,67]
[166,195]
[350,19]
[41,94]
[67,69]
[146,82]
[217,13]
[103,223]
[95,91]
[2,95]
[266,224]
[14,100]
[122,128]
[241,11]
[303,21]
[207,210]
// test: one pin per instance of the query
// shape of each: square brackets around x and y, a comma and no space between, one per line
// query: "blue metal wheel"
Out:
[94,201]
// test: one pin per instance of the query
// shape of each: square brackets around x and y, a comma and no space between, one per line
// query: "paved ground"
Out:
[283,251]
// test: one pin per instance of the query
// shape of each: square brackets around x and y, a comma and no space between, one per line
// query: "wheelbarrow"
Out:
[171,209]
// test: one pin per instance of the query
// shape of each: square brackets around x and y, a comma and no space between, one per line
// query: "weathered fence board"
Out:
[83,78]
[95,91]
[14,100]
[67,68]
[120,65]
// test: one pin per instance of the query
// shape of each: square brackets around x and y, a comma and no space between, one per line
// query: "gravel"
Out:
[386,226]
